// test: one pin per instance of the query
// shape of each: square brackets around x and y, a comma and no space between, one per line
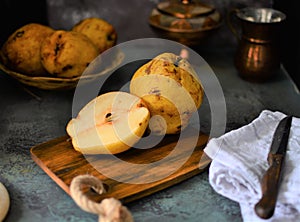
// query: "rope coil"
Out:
[109,209]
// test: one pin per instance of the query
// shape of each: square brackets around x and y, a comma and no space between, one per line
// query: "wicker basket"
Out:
[55,83]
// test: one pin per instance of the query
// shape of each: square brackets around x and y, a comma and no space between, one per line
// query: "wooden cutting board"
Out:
[62,163]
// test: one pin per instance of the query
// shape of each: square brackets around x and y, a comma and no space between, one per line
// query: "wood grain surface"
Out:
[129,175]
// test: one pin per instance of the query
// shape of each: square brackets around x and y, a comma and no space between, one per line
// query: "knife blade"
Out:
[270,184]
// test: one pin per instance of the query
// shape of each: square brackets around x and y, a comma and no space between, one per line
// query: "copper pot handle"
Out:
[230,23]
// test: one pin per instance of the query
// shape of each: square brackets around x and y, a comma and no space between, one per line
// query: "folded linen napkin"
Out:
[239,160]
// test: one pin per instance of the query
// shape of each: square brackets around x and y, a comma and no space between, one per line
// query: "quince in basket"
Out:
[36,50]
[21,51]
[67,53]
[101,33]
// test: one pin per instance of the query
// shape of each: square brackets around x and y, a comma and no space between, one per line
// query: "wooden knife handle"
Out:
[270,186]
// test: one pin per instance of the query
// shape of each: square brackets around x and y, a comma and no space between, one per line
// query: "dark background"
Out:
[15,13]
[290,38]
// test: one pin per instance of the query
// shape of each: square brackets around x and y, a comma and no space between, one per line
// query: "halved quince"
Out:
[109,124]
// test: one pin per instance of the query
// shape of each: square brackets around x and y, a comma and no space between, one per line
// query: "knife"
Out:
[271,180]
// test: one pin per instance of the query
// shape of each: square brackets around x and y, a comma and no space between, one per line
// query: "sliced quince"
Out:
[109,124]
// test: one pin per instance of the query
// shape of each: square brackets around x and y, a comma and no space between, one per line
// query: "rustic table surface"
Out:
[30,116]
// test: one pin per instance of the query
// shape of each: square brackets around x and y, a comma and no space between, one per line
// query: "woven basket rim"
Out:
[48,82]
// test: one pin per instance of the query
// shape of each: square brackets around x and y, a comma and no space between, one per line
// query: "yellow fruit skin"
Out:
[67,54]
[21,51]
[171,88]
[101,33]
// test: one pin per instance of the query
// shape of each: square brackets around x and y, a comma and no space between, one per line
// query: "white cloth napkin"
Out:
[239,160]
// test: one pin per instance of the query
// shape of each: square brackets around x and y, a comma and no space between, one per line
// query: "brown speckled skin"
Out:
[180,70]
[21,51]
[67,53]
[101,33]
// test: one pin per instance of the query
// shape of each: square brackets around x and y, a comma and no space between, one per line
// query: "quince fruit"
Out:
[171,89]
[109,124]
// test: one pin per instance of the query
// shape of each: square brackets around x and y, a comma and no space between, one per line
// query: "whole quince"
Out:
[172,90]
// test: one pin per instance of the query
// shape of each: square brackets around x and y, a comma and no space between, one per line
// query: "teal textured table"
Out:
[27,120]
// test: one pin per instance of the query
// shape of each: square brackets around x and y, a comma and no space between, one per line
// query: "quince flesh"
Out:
[109,124]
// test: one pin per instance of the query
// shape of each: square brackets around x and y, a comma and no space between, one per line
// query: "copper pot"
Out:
[185,21]
[257,56]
